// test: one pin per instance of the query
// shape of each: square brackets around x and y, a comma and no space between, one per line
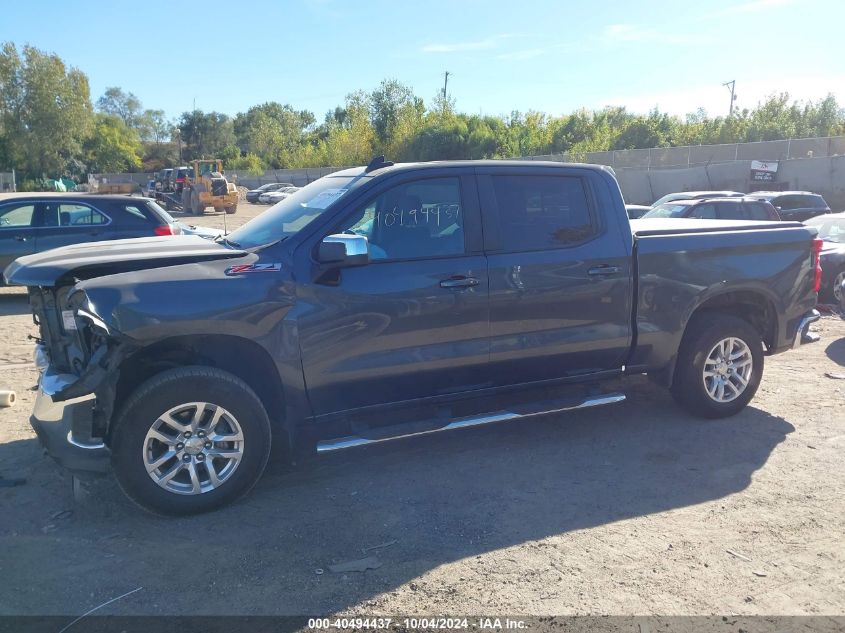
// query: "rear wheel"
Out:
[232,209]
[719,365]
[190,440]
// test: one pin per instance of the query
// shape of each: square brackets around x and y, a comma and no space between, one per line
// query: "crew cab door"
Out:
[559,257]
[413,322]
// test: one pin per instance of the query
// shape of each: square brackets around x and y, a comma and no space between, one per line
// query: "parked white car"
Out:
[272,197]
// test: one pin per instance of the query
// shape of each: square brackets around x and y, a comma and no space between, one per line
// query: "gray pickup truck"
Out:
[396,300]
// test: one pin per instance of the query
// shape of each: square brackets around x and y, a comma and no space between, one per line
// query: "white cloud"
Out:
[626,33]
[716,98]
[458,47]
[529,53]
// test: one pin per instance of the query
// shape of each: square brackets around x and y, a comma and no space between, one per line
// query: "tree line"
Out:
[50,127]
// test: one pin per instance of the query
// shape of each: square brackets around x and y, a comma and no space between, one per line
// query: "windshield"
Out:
[667,211]
[830,229]
[292,214]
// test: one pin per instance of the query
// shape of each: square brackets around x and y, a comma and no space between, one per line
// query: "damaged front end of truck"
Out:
[78,356]
[79,349]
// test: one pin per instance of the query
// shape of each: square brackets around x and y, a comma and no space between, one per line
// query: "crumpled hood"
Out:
[93,259]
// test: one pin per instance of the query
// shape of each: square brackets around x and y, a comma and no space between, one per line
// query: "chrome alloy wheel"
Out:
[727,369]
[193,448]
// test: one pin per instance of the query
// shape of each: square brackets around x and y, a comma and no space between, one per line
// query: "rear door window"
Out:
[70,215]
[542,212]
[16,215]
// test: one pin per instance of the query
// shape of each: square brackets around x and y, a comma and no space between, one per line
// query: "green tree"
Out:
[120,104]
[113,147]
[205,134]
[45,112]
[272,131]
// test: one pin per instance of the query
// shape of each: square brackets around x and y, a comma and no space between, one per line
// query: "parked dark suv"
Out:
[716,209]
[794,205]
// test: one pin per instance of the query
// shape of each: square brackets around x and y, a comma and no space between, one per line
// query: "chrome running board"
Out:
[325,446]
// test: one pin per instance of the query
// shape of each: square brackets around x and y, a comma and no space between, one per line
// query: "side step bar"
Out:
[325,446]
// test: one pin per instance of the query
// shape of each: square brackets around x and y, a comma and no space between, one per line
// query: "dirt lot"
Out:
[630,509]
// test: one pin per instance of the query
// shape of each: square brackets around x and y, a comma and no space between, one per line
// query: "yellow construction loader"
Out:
[208,187]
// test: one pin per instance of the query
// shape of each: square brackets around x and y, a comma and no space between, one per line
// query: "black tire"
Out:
[170,389]
[703,332]
[232,209]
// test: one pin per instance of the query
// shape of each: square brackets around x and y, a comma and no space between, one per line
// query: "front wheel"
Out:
[232,209]
[719,366]
[190,440]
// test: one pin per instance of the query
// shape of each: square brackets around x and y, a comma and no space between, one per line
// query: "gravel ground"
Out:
[632,509]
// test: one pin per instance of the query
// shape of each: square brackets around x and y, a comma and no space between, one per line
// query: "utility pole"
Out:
[445,83]
[730,85]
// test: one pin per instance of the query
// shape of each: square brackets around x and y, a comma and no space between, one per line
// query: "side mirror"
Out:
[344,250]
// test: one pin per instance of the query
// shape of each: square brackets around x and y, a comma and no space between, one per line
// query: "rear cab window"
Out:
[541,212]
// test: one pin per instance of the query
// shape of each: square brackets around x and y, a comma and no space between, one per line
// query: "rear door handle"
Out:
[459,282]
[603,270]
[20,238]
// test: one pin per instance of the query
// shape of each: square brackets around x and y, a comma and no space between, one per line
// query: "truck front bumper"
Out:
[64,428]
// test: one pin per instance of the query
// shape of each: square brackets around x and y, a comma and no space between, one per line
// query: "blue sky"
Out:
[553,56]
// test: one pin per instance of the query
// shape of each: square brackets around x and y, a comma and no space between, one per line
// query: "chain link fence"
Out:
[692,155]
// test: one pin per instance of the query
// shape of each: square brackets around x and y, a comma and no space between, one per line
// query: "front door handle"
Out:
[603,270]
[20,238]
[459,282]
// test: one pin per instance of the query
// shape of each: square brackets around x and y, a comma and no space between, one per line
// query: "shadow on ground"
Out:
[836,351]
[443,498]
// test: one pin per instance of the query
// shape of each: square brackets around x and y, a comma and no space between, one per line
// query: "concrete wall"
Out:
[820,175]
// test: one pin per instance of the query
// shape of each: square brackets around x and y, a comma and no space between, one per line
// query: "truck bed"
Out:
[682,263]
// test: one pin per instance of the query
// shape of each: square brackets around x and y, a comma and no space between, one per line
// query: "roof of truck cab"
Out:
[439,164]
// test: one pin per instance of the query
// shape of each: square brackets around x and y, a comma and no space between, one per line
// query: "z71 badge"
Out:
[242,269]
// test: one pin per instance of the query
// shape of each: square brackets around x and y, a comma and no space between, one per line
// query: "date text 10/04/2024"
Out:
[442,623]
